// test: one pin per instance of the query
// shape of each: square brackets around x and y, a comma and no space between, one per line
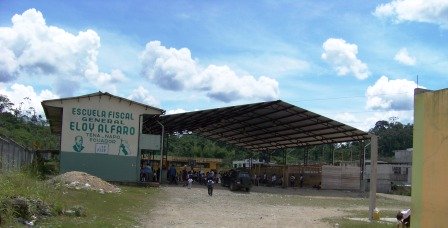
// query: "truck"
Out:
[237,180]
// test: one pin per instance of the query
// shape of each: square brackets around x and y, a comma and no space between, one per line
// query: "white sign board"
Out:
[149,142]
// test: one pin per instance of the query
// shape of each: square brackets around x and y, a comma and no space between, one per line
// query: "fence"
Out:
[312,174]
[341,177]
[13,156]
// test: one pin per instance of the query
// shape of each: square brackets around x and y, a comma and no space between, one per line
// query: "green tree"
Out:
[5,104]
[393,135]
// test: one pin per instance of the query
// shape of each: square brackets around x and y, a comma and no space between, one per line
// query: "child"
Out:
[190,181]
[210,184]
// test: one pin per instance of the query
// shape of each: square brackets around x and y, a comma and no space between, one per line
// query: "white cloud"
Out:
[176,70]
[142,95]
[342,56]
[345,117]
[366,120]
[403,57]
[175,111]
[17,92]
[388,94]
[429,11]
[8,64]
[369,120]
[31,47]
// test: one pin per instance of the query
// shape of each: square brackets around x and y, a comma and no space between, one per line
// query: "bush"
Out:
[402,190]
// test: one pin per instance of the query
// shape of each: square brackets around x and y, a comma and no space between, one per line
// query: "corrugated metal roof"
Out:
[260,126]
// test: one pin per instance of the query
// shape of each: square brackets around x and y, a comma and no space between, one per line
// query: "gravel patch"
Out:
[81,180]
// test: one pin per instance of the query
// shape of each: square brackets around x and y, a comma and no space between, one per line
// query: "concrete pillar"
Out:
[373,173]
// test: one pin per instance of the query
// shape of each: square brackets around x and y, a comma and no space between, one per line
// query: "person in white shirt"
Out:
[274,179]
[404,218]
[190,181]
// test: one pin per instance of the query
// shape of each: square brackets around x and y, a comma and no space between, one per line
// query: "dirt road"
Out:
[262,207]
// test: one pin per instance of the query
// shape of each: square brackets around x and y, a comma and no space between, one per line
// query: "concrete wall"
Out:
[430,159]
[403,155]
[13,156]
[386,176]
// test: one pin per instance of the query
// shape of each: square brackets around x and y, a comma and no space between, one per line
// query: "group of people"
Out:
[148,174]
[273,180]
[199,177]
[209,179]
[292,180]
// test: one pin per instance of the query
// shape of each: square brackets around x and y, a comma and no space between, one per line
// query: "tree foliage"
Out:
[193,146]
[25,126]
[393,135]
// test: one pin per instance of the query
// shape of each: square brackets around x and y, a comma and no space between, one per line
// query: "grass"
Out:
[101,210]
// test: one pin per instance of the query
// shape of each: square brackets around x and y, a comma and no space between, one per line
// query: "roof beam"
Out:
[267,135]
[303,141]
[236,122]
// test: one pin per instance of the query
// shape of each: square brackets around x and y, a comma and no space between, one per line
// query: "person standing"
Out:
[210,184]
[148,172]
[292,180]
[301,180]
[274,180]
[190,181]
[172,174]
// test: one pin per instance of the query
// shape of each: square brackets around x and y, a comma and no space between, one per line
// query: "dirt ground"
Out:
[185,207]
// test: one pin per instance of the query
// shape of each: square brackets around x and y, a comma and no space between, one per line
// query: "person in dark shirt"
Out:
[210,183]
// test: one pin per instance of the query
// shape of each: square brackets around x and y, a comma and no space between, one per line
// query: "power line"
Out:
[348,97]
[371,111]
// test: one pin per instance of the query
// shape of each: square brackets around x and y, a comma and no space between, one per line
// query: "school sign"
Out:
[99,134]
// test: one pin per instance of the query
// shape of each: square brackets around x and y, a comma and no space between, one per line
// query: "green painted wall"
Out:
[430,159]
[417,156]
[108,167]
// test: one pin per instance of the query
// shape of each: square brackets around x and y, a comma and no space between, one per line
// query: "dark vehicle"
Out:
[236,180]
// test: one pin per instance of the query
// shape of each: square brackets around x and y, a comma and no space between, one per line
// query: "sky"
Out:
[354,61]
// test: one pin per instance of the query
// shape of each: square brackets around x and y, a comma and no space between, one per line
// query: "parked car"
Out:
[236,180]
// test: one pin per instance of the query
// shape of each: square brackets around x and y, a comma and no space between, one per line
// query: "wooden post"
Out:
[373,173]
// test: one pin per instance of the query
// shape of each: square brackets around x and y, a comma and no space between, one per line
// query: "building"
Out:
[100,134]
[106,135]
[247,163]
[396,172]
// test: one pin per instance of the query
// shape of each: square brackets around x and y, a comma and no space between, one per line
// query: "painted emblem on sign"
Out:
[78,147]
[124,148]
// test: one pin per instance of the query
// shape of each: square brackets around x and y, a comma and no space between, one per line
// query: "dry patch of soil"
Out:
[185,207]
